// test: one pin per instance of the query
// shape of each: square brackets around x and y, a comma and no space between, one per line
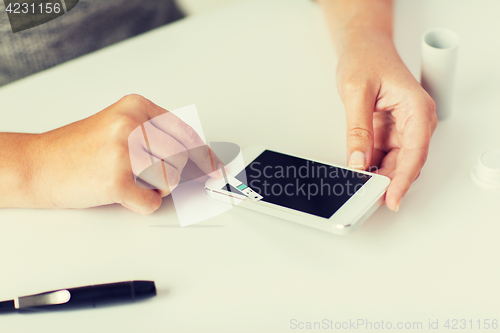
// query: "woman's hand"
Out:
[390,117]
[88,163]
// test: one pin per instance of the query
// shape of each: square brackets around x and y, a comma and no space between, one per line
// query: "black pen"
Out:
[88,296]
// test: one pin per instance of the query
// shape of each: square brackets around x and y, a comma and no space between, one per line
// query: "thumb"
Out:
[359,107]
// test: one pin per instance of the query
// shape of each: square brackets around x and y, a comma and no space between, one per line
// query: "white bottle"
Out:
[439,62]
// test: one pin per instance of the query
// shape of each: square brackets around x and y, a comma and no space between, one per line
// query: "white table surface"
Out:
[267,64]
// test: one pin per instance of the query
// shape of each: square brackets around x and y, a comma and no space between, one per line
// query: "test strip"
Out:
[247,191]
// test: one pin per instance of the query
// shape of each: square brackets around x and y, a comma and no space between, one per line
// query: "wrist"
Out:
[355,39]
[37,151]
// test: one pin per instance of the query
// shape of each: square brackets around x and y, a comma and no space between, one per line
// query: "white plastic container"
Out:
[486,172]
[439,62]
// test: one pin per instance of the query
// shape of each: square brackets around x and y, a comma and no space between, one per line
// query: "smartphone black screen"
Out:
[310,187]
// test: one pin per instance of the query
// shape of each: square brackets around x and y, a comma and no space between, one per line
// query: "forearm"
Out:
[19,170]
[351,21]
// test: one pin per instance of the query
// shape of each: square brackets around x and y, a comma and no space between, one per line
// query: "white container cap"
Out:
[486,172]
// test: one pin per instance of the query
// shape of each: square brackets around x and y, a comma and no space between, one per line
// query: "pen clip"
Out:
[50,298]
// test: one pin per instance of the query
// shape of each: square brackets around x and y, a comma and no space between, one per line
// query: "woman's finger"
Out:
[198,150]
[359,102]
[411,158]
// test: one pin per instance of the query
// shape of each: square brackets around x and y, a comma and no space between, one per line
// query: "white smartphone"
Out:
[319,195]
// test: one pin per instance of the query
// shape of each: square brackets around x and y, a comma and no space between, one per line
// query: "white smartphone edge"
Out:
[346,219]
